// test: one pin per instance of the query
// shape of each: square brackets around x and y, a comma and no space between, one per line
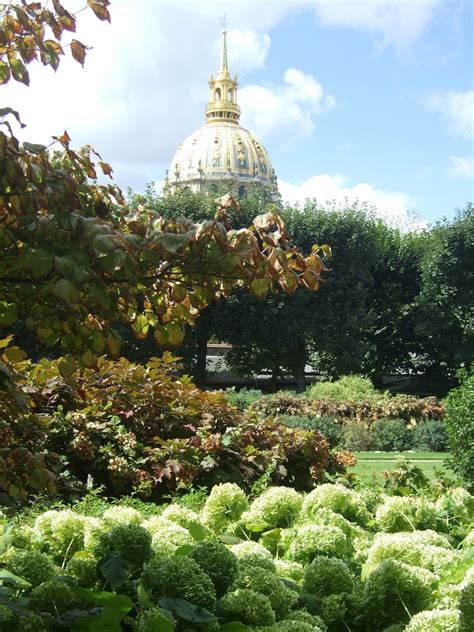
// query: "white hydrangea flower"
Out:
[122,515]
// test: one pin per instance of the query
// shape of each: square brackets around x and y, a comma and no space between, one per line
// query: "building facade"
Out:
[221,154]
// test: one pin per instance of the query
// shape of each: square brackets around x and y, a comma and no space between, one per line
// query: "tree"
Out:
[75,258]
[444,309]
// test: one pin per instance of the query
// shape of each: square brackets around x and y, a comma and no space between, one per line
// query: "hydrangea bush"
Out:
[320,562]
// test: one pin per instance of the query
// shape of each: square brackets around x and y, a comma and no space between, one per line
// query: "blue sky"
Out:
[370,100]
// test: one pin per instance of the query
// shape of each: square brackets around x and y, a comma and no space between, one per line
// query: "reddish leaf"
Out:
[78,51]
[100,8]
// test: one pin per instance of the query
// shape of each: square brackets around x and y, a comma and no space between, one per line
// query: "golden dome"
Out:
[221,151]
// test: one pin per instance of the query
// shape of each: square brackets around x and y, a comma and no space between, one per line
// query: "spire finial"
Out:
[224,45]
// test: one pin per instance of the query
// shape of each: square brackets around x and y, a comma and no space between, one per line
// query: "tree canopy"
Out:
[76,258]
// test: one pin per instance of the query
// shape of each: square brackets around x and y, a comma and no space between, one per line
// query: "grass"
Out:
[372,464]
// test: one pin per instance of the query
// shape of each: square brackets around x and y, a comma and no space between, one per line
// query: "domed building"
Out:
[221,153]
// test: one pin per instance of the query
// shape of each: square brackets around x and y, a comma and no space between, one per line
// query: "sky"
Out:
[370,101]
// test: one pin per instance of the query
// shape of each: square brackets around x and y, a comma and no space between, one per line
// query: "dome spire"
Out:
[224,66]
[222,104]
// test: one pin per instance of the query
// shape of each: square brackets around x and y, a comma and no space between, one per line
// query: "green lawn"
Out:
[373,464]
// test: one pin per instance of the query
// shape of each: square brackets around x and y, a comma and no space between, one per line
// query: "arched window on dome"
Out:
[230,95]
[217,94]
[241,193]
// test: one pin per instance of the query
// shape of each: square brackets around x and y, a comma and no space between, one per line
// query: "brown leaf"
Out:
[78,51]
[100,8]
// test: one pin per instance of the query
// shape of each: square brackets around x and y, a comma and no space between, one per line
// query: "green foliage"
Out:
[243,397]
[430,435]
[327,576]
[356,435]
[218,562]
[248,606]
[33,566]
[460,426]
[405,478]
[435,621]
[327,426]
[390,435]
[265,582]
[131,542]
[179,577]
[349,388]
[394,592]
[357,577]
[275,507]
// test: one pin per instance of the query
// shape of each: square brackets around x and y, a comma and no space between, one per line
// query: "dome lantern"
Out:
[222,104]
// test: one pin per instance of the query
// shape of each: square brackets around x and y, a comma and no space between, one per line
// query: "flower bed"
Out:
[330,560]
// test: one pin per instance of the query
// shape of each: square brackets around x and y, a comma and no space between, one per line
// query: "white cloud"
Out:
[461,167]
[455,108]
[397,23]
[285,112]
[335,191]
[248,49]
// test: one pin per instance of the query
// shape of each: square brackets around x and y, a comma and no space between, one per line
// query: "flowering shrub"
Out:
[323,573]
[140,429]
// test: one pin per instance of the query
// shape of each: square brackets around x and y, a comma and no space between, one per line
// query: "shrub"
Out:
[327,426]
[392,591]
[327,576]
[218,562]
[243,397]
[166,536]
[130,541]
[63,532]
[337,498]
[349,388]
[53,596]
[252,554]
[225,504]
[434,621]
[267,583]
[247,606]
[430,435]
[356,436]
[460,426]
[390,435]
[276,507]
[382,406]
[310,541]
[33,566]
[83,568]
[203,441]
[179,577]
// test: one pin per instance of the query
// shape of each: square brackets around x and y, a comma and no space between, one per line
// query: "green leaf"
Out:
[34,148]
[183,609]
[19,71]
[143,597]
[4,72]
[99,294]
[229,539]
[64,266]
[157,621]
[183,550]
[8,314]
[66,291]
[172,242]
[13,580]
[197,531]
[109,600]
[115,570]
[260,287]
[67,365]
